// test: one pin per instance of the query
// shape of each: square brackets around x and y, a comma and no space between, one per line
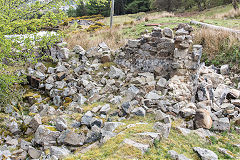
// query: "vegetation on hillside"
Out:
[21,17]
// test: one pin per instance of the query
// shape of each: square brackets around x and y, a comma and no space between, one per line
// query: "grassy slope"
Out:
[115,149]
[209,16]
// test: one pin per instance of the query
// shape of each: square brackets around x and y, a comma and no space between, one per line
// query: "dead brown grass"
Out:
[113,38]
[230,14]
[215,41]
[158,15]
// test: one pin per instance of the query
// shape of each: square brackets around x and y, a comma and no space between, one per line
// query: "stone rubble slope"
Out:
[158,74]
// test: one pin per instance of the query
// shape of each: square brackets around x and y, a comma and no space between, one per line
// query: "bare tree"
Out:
[235,4]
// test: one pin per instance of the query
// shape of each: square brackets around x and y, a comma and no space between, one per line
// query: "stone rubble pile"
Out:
[158,74]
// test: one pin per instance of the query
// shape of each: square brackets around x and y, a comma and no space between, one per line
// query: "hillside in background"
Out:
[162,83]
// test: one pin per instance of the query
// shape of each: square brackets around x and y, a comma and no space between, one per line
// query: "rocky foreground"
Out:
[91,97]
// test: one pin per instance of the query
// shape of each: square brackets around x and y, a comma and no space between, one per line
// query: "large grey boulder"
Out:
[102,47]
[79,50]
[35,122]
[41,67]
[224,70]
[34,153]
[133,43]
[139,111]
[24,145]
[160,115]
[116,73]
[126,107]
[105,109]
[167,32]
[205,154]
[96,122]
[40,75]
[13,127]
[93,135]
[152,136]
[61,124]
[142,147]
[111,126]
[71,138]
[222,124]
[226,152]
[175,156]
[203,119]
[61,68]
[86,118]
[64,53]
[45,135]
[163,129]
[187,112]
[153,96]
[59,152]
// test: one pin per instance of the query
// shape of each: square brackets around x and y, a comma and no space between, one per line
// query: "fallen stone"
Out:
[203,133]
[24,145]
[61,125]
[150,135]
[78,50]
[116,73]
[226,152]
[93,135]
[163,129]
[167,32]
[224,70]
[41,67]
[175,156]
[139,111]
[111,126]
[222,124]
[59,152]
[205,154]
[97,122]
[11,142]
[34,153]
[105,109]
[71,138]
[236,102]
[142,147]
[153,96]
[35,122]
[14,128]
[187,112]
[184,131]
[160,115]
[126,107]
[202,119]
[86,118]
[44,135]
[133,43]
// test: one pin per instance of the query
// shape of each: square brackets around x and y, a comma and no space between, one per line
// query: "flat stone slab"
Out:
[205,154]
[142,147]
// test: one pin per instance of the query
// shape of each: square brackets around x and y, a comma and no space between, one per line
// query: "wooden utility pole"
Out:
[112,13]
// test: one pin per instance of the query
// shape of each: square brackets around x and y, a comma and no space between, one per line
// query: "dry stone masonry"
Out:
[87,95]
[162,53]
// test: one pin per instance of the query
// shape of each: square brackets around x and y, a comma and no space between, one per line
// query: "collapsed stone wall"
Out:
[162,53]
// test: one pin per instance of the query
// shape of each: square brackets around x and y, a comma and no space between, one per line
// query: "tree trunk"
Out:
[235,4]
